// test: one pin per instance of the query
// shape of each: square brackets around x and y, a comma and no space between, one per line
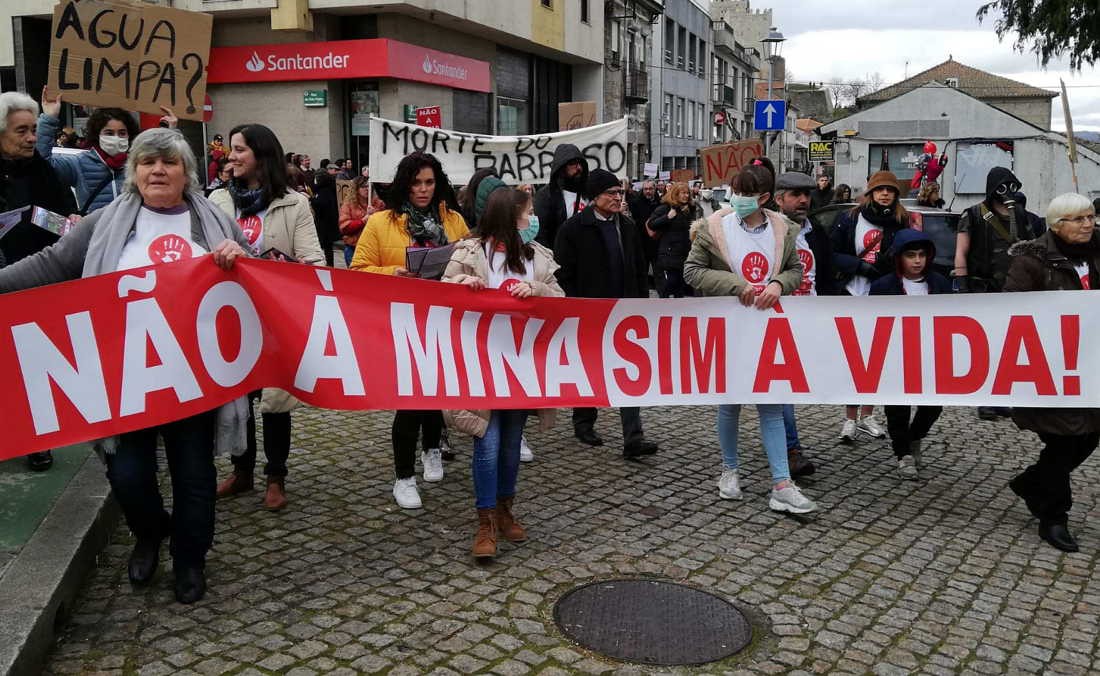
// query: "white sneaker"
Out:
[907,468]
[729,486]
[848,432]
[404,491]
[871,427]
[790,499]
[915,451]
[525,452]
[432,459]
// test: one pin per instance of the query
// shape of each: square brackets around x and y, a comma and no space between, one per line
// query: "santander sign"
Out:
[345,59]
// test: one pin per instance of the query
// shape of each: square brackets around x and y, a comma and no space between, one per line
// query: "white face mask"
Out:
[113,145]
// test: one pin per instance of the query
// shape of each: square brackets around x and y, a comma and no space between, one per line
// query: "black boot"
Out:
[1019,488]
[639,449]
[1057,535]
[40,462]
[190,582]
[144,560]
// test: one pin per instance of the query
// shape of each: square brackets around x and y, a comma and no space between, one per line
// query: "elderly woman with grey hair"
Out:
[160,218]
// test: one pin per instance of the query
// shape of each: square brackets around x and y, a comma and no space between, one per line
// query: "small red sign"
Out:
[429,116]
[719,118]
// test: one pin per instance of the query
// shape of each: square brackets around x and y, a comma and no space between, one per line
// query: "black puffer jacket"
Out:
[31,181]
[549,200]
[1038,265]
[675,241]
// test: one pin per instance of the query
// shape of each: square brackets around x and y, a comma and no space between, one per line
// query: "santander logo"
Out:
[427,64]
[433,67]
[254,64]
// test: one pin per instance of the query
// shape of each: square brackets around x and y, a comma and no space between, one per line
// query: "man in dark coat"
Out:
[27,179]
[326,215]
[822,195]
[563,197]
[601,257]
[642,205]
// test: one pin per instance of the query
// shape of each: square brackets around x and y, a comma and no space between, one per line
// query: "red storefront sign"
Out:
[346,59]
[429,116]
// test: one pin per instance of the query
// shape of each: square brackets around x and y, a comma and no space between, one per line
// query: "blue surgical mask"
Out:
[529,233]
[744,205]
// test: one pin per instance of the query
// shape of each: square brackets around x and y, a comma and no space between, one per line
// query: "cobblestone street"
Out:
[945,575]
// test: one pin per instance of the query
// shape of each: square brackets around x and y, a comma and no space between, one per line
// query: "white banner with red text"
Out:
[101,356]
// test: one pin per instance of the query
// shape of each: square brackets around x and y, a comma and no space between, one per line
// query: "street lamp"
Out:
[773,45]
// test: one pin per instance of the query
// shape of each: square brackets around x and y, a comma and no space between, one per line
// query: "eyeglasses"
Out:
[1080,220]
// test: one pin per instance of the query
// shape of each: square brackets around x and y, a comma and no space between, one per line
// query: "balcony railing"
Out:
[636,87]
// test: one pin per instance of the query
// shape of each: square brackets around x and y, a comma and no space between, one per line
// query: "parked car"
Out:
[940,224]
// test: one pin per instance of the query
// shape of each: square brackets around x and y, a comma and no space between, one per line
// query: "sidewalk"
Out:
[52,526]
[939,576]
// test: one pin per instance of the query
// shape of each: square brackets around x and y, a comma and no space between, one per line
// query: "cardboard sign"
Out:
[130,55]
[429,116]
[682,175]
[664,175]
[345,191]
[576,114]
[822,151]
[650,170]
[722,162]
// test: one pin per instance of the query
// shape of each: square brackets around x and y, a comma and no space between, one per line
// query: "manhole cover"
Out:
[652,622]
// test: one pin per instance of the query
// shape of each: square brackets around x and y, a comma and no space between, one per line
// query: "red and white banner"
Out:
[125,351]
[347,59]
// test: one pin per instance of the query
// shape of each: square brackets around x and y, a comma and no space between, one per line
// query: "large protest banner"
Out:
[119,352]
[130,55]
[722,162]
[517,159]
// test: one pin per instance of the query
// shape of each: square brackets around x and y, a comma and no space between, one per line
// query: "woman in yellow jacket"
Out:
[416,215]
[272,216]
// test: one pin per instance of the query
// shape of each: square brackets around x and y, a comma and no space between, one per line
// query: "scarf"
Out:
[424,226]
[1079,252]
[884,217]
[113,162]
[113,226]
[249,202]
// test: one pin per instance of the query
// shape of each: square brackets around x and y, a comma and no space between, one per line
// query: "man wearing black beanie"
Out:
[601,256]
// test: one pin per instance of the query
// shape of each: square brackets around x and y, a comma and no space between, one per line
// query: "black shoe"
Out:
[1017,486]
[1058,536]
[144,560]
[190,583]
[1003,411]
[987,413]
[589,437]
[640,449]
[40,462]
[798,463]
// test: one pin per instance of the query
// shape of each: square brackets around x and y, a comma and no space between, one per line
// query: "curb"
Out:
[37,590]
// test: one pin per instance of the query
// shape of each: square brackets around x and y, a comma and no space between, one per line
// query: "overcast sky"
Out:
[845,39]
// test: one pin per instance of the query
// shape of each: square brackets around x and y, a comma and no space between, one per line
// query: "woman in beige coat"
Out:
[277,221]
[505,257]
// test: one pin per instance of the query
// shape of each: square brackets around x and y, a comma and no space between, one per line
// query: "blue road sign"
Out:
[769,115]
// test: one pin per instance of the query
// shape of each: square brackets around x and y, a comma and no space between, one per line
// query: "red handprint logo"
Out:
[807,259]
[251,226]
[754,268]
[872,242]
[169,249]
[509,284]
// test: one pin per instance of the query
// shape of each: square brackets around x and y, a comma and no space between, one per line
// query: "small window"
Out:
[549,4]
[584,10]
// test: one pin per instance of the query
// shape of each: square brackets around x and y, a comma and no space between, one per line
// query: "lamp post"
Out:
[773,45]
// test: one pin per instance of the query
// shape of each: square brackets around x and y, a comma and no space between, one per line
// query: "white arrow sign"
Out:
[770,111]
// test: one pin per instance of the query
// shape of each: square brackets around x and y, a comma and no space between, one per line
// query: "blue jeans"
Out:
[771,432]
[791,427]
[349,251]
[496,458]
[132,471]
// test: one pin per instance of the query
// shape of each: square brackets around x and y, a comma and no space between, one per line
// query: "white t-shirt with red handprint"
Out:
[253,228]
[808,287]
[159,236]
[751,253]
[868,246]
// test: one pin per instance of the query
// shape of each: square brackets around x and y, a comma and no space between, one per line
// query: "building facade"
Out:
[680,86]
[628,35]
[488,71]
[733,68]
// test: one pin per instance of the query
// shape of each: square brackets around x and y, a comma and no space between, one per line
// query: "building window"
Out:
[549,4]
[584,10]
[666,120]
[690,115]
[691,54]
[702,60]
[615,41]
[511,116]
[670,40]
[679,117]
[643,56]
[681,48]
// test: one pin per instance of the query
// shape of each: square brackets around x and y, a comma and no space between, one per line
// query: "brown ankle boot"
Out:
[275,498]
[237,482]
[485,542]
[507,525]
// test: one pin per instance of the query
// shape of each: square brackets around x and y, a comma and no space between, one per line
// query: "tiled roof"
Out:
[977,83]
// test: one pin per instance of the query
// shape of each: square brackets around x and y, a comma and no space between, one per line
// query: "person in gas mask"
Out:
[986,231]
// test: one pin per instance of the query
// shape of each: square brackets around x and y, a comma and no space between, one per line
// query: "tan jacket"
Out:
[708,269]
[288,227]
[468,260]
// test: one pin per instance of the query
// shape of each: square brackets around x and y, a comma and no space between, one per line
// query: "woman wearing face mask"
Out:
[504,256]
[97,174]
[672,224]
[861,239]
[419,213]
[751,253]
[271,216]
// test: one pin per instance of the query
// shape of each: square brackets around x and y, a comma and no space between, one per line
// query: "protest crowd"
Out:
[140,198]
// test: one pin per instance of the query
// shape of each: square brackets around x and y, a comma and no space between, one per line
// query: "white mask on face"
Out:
[113,145]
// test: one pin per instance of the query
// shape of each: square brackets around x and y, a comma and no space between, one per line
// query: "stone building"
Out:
[628,69]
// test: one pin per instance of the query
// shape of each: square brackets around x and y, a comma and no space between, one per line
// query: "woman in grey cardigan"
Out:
[161,217]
